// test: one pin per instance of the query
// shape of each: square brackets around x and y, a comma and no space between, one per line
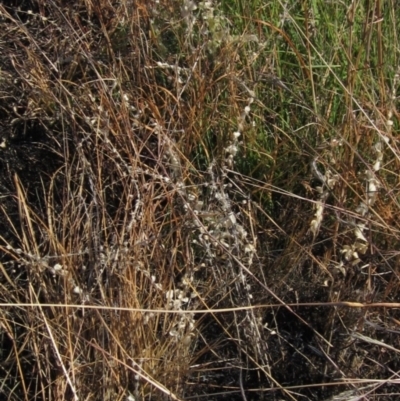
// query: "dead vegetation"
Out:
[144,217]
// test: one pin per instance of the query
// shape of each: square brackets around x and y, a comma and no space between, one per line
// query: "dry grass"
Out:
[179,223]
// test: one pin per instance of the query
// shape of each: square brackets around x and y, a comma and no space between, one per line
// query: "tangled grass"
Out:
[199,200]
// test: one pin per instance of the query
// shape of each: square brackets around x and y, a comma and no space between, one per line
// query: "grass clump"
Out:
[199,200]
